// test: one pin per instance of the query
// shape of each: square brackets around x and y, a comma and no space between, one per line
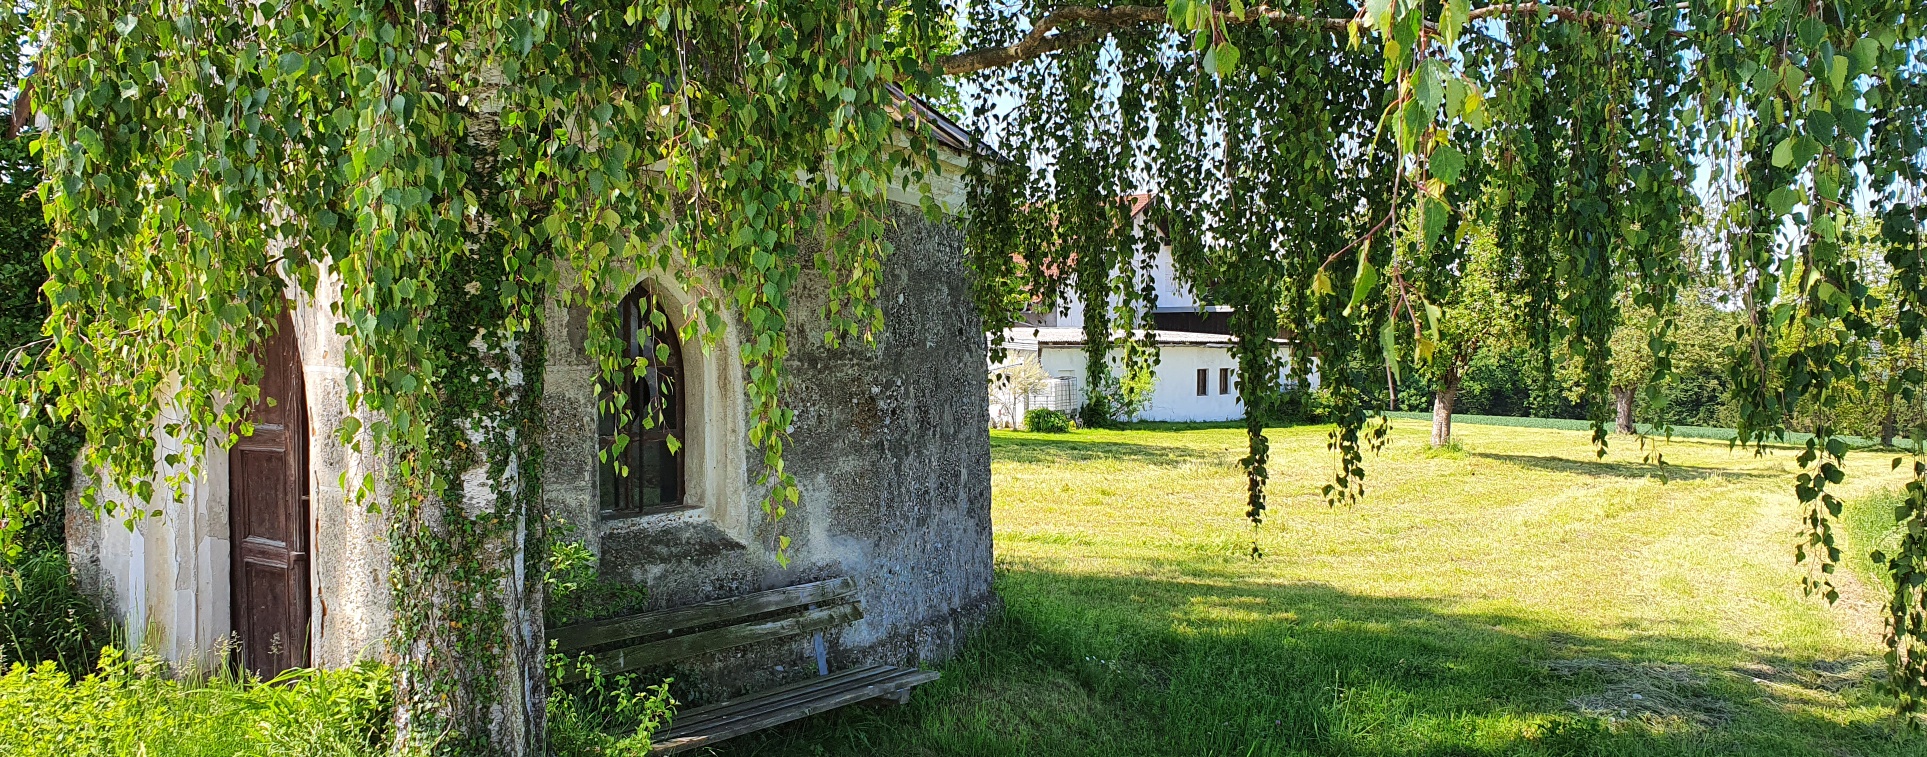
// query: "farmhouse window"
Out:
[1224,380]
[1204,381]
[640,418]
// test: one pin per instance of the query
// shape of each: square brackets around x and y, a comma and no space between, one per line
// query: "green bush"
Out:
[603,716]
[1047,421]
[131,707]
[43,618]
[577,592]
[1316,407]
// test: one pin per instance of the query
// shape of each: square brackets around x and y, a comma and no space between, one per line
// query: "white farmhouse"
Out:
[1197,371]
[1177,309]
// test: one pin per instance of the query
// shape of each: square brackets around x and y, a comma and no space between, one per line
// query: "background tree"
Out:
[1884,401]
[1476,315]
[1012,386]
[1697,335]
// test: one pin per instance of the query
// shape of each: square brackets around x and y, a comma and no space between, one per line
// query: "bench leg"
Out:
[822,654]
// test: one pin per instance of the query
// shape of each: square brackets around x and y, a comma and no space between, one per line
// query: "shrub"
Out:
[43,616]
[577,592]
[1116,399]
[1316,405]
[603,716]
[131,707]
[1047,421]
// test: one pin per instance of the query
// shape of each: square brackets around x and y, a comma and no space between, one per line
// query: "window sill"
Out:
[626,516]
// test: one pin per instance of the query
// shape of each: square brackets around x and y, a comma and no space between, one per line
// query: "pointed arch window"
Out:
[643,473]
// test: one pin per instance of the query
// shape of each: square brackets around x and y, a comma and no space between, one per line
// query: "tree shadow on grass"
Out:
[1084,664]
[1612,469]
[1070,449]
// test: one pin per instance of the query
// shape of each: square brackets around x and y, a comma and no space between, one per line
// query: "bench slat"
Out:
[585,635]
[688,645]
[758,713]
[695,718]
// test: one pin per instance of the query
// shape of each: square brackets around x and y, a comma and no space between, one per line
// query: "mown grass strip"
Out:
[1569,424]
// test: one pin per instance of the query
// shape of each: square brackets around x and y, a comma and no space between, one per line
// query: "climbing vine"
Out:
[437,174]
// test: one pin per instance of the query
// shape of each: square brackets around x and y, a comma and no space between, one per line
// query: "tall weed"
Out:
[131,707]
[577,591]
[43,616]
[603,716]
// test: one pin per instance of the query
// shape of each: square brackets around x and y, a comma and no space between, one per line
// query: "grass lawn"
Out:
[1520,597]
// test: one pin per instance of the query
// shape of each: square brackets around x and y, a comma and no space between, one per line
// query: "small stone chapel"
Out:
[266,558]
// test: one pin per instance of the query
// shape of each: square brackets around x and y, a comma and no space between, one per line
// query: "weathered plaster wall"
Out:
[164,579]
[349,540]
[889,449]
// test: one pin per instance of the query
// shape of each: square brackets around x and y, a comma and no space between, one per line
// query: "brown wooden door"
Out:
[268,501]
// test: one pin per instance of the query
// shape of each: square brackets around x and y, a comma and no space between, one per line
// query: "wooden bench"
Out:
[654,638]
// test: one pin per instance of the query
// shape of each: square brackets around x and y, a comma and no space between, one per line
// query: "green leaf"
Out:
[1820,126]
[1783,153]
[1828,292]
[1363,282]
[1804,148]
[1227,58]
[1782,200]
[1792,79]
[1452,18]
[1853,123]
[1866,55]
[1447,162]
[1476,115]
[1378,13]
[1428,87]
[1388,342]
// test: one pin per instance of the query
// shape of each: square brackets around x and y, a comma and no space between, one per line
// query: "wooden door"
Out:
[268,504]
